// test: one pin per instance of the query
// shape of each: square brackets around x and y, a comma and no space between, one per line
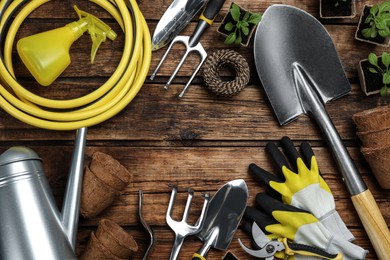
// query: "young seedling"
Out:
[378,21]
[382,68]
[240,25]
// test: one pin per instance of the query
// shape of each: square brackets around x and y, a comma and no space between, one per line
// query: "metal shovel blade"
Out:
[300,71]
[223,216]
[288,38]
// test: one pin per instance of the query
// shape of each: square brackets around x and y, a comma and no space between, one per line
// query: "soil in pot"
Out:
[378,39]
[328,8]
[373,81]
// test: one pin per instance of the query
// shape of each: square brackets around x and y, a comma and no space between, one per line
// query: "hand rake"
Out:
[181,228]
[192,43]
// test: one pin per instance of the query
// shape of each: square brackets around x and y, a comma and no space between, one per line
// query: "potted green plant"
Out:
[374,74]
[337,9]
[238,25]
[374,24]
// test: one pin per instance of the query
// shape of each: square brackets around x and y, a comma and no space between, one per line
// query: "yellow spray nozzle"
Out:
[46,54]
[98,30]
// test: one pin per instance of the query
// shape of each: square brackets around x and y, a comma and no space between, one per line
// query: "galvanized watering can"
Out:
[31,226]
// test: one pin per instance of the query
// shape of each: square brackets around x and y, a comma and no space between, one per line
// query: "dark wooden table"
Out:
[200,141]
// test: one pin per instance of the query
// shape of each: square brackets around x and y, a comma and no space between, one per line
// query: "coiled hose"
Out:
[101,104]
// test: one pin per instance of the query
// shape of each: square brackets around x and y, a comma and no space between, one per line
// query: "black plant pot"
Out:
[378,40]
[228,18]
[328,10]
[370,83]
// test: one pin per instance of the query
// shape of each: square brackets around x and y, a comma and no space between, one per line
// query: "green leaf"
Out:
[366,33]
[380,24]
[383,91]
[235,12]
[230,39]
[386,59]
[245,31]
[384,7]
[374,32]
[238,40]
[239,24]
[246,17]
[229,26]
[372,70]
[255,18]
[384,32]
[374,9]
[386,78]
[368,19]
[373,59]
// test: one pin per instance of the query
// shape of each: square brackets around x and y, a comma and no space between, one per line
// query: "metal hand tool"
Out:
[146,226]
[175,18]
[268,247]
[299,78]
[223,216]
[192,43]
[181,228]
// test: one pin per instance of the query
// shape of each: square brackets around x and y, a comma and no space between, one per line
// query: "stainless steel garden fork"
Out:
[181,228]
[192,43]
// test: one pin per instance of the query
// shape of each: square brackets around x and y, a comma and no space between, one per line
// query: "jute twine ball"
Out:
[212,69]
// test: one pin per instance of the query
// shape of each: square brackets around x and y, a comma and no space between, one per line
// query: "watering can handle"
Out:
[363,201]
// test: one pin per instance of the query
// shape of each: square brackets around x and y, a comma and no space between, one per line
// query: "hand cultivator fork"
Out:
[192,43]
[181,228]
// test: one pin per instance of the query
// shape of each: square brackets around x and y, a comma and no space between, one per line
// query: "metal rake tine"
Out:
[177,69]
[161,61]
[170,205]
[203,55]
[188,204]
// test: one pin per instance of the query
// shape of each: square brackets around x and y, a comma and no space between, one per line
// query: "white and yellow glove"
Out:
[302,185]
[280,220]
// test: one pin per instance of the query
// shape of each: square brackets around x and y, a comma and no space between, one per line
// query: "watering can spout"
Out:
[70,207]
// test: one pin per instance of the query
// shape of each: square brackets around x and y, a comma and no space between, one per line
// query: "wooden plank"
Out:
[158,114]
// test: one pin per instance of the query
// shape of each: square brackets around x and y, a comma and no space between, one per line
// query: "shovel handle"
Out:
[373,223]
[363,201]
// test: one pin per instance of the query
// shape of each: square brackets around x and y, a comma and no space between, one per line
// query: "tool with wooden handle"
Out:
[299,78]
[192,43]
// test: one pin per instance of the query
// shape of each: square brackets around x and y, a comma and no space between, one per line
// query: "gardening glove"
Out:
[302,185]
[280,220]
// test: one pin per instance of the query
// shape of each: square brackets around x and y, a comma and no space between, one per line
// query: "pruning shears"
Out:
[268,248]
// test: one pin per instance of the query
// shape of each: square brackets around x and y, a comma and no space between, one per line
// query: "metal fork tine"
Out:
[177,69]
[203,56]
[188,204]
[162,61]
[171,202]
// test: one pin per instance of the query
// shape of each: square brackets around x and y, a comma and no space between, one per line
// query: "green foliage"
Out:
[378,21]
[239,27]
[382,68]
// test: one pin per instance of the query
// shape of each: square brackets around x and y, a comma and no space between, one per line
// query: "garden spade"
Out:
[300,71]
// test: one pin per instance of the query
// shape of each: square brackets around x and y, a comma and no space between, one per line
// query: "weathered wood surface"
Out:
[200,141]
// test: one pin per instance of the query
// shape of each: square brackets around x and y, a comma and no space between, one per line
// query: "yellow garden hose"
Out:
[103,103]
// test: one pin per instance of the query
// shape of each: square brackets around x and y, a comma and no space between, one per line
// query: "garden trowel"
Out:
[223,216]
[300,71]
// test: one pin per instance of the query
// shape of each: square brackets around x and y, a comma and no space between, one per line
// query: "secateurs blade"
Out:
[268,247]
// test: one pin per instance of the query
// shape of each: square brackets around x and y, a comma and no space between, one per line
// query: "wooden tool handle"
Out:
[373,223]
